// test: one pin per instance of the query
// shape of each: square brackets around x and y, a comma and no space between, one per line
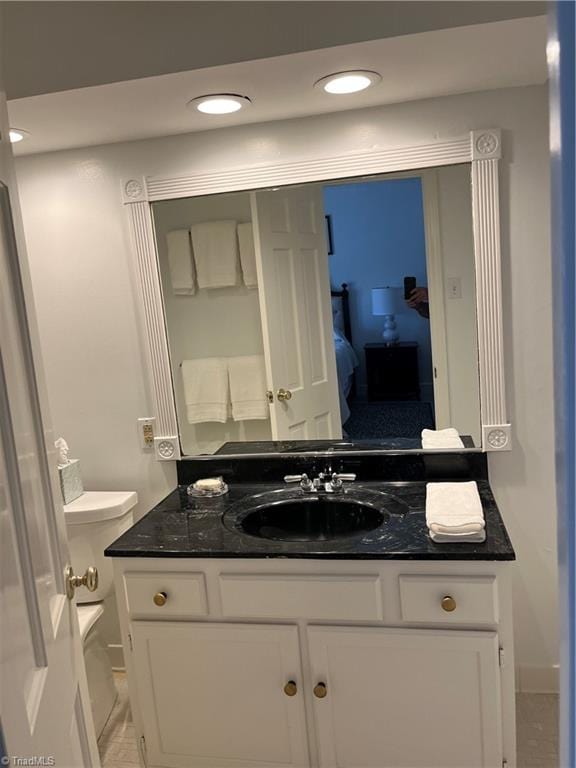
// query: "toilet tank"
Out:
[93,521]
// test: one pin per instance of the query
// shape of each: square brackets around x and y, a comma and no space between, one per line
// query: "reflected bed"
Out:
[346,357]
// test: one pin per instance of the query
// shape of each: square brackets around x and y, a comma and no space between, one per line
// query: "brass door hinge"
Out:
[143,750]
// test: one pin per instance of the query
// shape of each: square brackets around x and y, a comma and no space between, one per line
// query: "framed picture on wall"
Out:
[329,238]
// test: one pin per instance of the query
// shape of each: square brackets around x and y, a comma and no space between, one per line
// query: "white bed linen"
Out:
[346,362]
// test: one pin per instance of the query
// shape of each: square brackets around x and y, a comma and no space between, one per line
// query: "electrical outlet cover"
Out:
[146,433]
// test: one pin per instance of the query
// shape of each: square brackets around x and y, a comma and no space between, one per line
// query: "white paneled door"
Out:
[394,698]
[44,705]
[296,309]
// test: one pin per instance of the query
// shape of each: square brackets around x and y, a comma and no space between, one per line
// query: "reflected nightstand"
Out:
[392,371]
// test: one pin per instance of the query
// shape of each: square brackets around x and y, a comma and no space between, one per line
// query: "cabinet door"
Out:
[213,694]
[399,698]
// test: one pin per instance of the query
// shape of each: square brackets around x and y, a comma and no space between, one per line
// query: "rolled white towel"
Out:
[441,438]
[454,512]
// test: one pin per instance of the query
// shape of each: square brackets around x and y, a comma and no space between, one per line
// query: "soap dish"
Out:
[208,488]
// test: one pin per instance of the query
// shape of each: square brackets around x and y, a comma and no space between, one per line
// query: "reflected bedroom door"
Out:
[296,310]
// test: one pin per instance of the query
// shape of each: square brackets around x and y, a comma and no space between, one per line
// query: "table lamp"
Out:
[386,303]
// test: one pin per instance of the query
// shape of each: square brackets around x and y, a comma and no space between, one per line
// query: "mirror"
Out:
[341,310]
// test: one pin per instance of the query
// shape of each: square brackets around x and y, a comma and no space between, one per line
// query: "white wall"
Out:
[457,238]
[78,248]
[221,322]
[378,236]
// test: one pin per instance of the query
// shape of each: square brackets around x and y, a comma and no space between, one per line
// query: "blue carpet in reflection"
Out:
[374,421]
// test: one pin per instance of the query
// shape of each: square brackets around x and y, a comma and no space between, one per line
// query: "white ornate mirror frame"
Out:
[481,148]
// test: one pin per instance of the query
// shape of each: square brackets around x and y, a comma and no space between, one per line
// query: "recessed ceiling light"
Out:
[348,82]
[17,134]
[220,103]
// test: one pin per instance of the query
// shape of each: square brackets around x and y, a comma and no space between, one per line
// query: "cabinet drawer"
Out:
[184,594]
[474,599]
[303,596]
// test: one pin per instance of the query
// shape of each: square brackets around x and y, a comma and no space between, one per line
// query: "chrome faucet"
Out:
[330,482]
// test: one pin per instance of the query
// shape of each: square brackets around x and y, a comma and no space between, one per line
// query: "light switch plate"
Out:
[454,288]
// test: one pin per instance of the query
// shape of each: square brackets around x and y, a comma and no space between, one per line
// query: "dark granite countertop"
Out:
[181,526]
[328,447]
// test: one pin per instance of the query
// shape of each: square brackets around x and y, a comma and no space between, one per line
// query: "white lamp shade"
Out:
[386,301]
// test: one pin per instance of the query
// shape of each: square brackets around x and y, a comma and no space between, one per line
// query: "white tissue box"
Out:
[70,481]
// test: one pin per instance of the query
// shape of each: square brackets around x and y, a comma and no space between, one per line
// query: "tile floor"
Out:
[537,729]
[117,743]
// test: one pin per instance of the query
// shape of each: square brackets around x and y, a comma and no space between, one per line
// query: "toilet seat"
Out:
[88,615]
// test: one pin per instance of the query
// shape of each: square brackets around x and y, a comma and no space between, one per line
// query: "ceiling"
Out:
[480,57]
[57,46]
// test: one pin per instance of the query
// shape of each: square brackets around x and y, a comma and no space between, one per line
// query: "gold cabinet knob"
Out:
[448,604]
[283,394]
[160,599]
[291,689]
[320,690]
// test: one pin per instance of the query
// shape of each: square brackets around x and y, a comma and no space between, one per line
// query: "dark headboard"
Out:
[345,296]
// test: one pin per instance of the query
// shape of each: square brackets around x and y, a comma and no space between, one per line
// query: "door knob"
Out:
[320,690]
[89,580]
[283,394]
[290,689]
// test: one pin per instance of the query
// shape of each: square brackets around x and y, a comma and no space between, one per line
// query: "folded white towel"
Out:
[458,538]
[247,253]
[215,246]
[248,388]
[181,263]
[441,438]
[454,512]
[206,389]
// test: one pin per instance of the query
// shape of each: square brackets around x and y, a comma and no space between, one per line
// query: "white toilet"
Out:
[93,521]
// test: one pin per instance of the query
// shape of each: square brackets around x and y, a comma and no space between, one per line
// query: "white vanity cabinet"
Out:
[326,663]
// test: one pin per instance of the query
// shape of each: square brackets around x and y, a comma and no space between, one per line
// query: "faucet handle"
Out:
[305,482]
[293,478]
[343,476]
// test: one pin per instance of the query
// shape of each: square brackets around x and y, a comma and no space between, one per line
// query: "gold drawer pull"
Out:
[160,599]
[320,690]
[448,604]
[290,689]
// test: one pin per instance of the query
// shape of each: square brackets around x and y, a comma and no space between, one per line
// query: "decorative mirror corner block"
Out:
[497,437]
[167,448]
